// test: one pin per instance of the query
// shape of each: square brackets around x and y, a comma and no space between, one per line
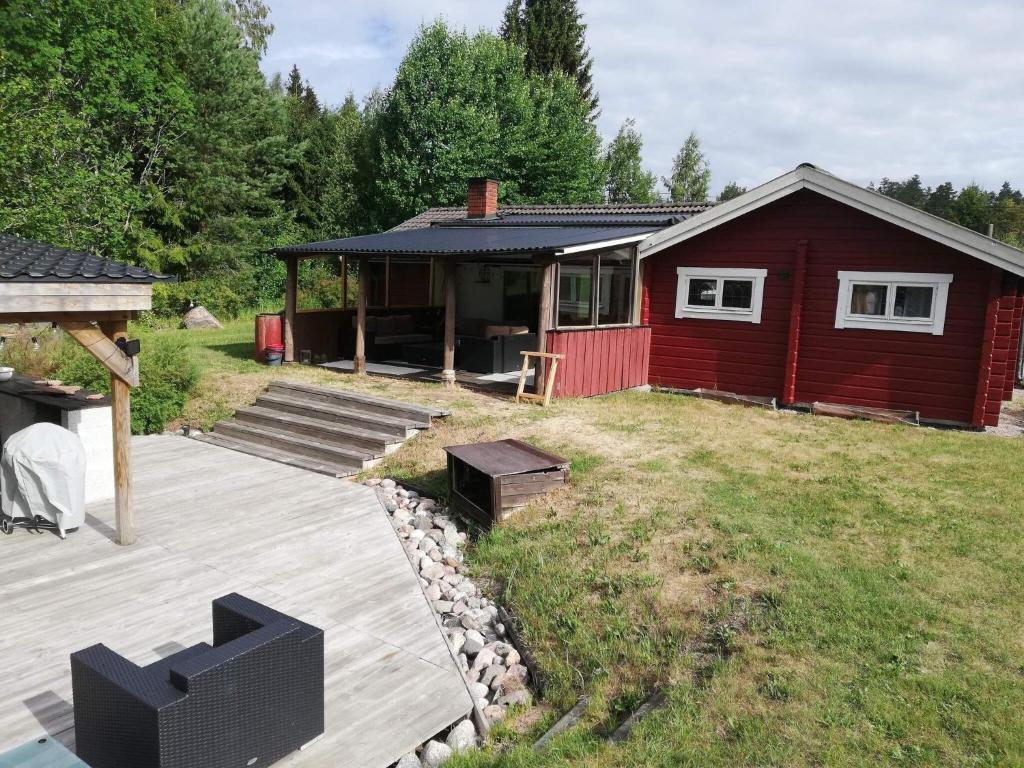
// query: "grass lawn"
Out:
[809,591]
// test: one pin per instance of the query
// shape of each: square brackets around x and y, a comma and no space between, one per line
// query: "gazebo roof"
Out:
[23,260]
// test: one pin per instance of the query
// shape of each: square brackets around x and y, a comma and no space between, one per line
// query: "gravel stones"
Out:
[491,665]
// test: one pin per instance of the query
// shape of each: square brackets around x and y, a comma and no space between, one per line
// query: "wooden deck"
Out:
[213,521]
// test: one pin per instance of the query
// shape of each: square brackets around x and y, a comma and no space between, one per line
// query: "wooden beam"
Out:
[547,282]
[448,364]
[69,297]
[104,349]
[120,401]
[359,358]
[291,302]
[59,317]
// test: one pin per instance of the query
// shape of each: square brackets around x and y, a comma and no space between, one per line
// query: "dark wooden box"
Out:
[490,481]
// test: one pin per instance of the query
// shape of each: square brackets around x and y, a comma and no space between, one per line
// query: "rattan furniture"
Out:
[253,697]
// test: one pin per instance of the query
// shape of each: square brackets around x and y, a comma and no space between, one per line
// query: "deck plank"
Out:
[213,521]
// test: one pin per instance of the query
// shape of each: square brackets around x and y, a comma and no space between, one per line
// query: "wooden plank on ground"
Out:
[862,412]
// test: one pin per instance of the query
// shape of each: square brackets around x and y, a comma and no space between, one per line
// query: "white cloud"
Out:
[868,89]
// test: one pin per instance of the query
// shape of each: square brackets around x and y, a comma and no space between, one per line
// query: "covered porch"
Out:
[460,303]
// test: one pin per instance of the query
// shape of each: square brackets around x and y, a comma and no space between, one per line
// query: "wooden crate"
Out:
[490,481]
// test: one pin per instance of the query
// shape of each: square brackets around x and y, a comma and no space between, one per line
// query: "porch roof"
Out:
[485,239]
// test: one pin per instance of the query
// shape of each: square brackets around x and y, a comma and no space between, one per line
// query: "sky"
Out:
[865,89]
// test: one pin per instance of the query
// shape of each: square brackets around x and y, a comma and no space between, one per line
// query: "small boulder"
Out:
[494,713]
[522,696]
[409,761]
[462,737]
[479,690]
[491,674]
[199,318]
[433,592]
[433,571]
[387,483]
[435,754]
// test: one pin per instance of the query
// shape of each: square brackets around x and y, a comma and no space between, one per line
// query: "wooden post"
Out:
[547,282]
[291,300]
[796,309]
[344,282]
[359,358]
[448,366]
[120,398]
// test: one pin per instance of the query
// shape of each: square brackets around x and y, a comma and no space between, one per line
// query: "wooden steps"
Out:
[323,430]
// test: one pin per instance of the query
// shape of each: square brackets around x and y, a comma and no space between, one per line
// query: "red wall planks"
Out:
[597,361]
[937,375]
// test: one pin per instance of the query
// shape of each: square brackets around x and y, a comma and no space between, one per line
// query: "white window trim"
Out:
[752,315]
[934,325]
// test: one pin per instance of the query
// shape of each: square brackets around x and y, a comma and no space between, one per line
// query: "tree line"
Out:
[144,130]
[971,206]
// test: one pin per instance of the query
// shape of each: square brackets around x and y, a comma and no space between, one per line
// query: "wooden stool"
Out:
[549,383]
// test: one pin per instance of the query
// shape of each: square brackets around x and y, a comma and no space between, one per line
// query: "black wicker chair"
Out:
[254,697]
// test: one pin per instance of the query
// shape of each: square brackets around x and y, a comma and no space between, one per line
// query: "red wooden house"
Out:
[808,289]
[812,289]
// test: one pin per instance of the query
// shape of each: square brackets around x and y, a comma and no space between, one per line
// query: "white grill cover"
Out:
[43,468]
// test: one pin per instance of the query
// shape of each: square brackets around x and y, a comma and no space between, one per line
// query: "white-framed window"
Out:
[893,301]
[596,290]
[720,294]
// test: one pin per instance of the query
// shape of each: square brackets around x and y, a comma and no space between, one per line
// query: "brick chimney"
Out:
[482,200]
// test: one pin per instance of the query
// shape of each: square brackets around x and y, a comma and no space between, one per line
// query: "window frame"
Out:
[595,292]
[688,311]
[934,325]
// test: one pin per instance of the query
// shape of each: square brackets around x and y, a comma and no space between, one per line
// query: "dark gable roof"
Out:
[24,260]
[515,229]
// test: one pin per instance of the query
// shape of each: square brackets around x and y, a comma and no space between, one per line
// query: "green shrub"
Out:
[174,299]
[167,376]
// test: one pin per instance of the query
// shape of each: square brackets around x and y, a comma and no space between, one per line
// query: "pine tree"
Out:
[691,176]
[554,36]
[627,181]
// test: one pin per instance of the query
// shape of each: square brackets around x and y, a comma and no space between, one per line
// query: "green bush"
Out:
[167,376]
[225,293]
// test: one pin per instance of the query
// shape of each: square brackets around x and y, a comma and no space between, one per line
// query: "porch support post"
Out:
[120,398]
[359,358]
[448,365]
[796,310]
[547,282]
[291,301]
[344,282]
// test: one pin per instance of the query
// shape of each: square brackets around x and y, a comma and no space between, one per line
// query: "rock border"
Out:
[486,650]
